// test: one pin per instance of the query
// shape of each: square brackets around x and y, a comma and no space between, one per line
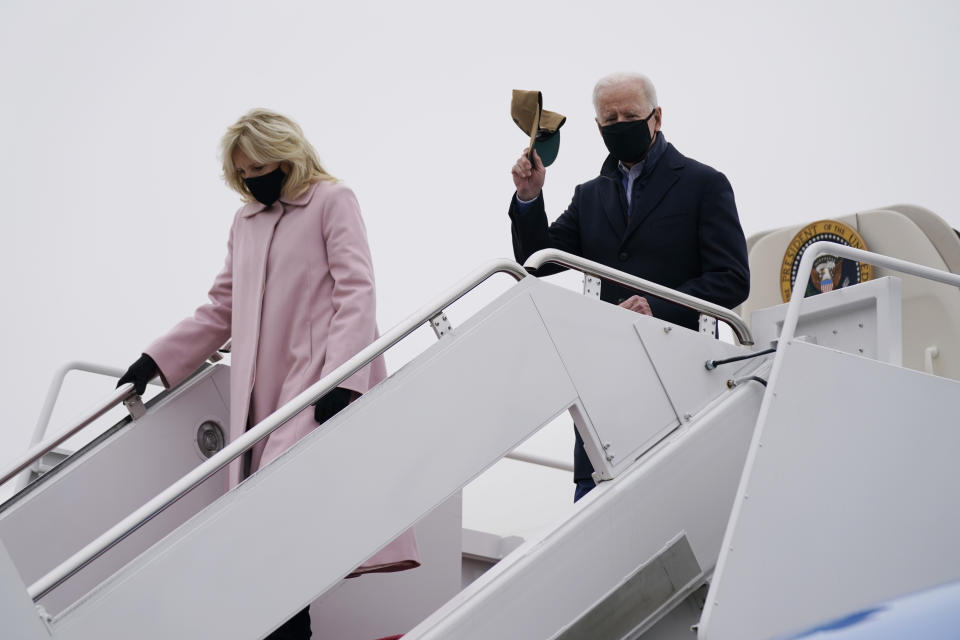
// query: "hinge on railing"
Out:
[135,406]
[440,325]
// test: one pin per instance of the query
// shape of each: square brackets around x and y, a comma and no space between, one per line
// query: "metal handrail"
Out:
[819,248]
[121,394]
[53,391]
[589,267]
[53,394]
[130,398]
[542,461]
[792,317]
[212,465]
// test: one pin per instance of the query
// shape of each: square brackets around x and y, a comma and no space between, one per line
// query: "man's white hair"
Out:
[625,77]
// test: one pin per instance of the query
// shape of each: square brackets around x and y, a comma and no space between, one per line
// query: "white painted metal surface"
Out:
[498,378]
[482,550]
[37,451]
[679,356]
[20,618]
[850,496]
[591,286]
[378,605]
[53,393]
[684,486]
[832,319]
[601,271]
[708,325]
[640,392]
[624,410]
[906,405]
[931,312]
[201,473]
[401,450]
[88,493]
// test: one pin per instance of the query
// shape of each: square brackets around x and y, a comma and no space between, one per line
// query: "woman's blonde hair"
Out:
[265,137]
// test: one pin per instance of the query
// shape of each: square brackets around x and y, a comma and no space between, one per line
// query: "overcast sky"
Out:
[115,217]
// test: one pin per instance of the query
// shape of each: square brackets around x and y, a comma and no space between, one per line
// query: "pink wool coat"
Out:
[296,295]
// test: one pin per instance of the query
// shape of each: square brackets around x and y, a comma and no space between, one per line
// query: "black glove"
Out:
[331,404]
[140,373]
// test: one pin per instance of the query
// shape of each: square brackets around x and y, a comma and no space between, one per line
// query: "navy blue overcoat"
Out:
[682,231]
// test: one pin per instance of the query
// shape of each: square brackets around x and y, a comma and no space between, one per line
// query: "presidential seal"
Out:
[829,272]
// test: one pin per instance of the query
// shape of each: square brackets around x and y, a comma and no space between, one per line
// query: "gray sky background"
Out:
[115,216]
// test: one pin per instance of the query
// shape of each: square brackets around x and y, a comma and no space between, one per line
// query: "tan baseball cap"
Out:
[543,127]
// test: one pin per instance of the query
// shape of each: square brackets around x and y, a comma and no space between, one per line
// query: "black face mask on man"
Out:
[628,141]
[266,188]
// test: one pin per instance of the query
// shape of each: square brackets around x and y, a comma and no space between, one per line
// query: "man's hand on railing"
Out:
[331,404]
[638,304]
[140,373]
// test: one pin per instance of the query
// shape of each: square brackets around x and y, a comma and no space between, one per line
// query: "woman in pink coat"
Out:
[296,297]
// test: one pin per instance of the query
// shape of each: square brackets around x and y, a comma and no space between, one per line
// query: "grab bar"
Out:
[124,393]
[788,331]
[181,487]
[131,400]
[597,270]
[832,248]
[53,394]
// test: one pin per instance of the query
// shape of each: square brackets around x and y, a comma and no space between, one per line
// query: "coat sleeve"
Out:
[184,348]
[531,233]
[725,270]
[354,322]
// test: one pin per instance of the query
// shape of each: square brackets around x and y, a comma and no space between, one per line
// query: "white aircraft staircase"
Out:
[675,442]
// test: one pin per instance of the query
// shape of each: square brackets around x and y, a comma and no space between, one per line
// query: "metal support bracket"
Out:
[929,355]
[440,325]
[217,355]
[45,618]
[591,285]
[708,325]
[135,406]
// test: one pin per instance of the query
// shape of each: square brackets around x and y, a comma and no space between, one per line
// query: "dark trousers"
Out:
[583,488]
[296,628]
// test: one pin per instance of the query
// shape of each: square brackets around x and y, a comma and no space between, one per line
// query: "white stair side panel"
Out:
[90,492]
[18,615]
[598,343]
[680,356]
[849,497]
[660,366]
[295,528]
[685,485]
[378,605]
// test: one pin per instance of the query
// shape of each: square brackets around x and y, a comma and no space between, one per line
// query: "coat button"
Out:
[623,256]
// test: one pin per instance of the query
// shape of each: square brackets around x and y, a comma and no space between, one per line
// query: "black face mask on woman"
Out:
[266,188]
[628,141]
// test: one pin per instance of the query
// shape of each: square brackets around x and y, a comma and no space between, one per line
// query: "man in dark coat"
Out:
[651,212]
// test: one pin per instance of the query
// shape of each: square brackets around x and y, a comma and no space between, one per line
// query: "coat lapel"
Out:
[612,199]
[615,206]
[664,176]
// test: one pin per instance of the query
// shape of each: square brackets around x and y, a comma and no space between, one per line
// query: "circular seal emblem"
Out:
[829,272]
